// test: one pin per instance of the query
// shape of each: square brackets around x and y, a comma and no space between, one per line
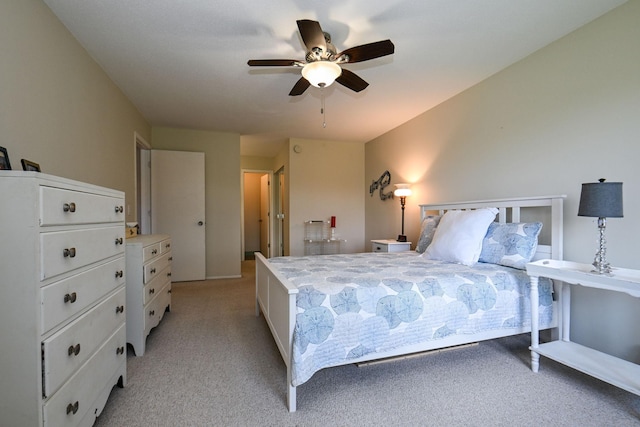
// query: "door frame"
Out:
[142,168]
[270,208]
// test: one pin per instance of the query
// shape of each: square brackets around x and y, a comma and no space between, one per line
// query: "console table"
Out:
[613,370]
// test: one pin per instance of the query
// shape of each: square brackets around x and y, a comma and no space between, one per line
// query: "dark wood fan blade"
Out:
[369,51]
[273,62]
[312,34]
[300,86]
[352,81]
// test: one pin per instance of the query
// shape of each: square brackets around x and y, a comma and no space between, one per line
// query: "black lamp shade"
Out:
[601,200]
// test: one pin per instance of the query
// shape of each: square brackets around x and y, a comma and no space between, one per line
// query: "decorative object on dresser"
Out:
[605,367]
[402,191]
[335,310]
[5,164]
[601,200]
[62,299]
[148,286]
[28,165]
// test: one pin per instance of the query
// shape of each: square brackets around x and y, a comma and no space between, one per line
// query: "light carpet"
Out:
[212,362]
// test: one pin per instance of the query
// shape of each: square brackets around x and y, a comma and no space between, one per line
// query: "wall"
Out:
[326,179]
[565,115]
[58,108]
[222,192]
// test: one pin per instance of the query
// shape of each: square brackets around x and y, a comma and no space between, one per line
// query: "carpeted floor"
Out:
[212,362]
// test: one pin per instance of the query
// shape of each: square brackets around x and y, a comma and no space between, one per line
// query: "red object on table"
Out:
[333,222]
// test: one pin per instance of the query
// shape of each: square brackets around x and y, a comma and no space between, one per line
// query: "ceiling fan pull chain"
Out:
[324,116]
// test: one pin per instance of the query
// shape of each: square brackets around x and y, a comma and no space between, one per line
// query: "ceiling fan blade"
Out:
[369,51]
[352,81]
[312,34]
[273,62]
[300,86]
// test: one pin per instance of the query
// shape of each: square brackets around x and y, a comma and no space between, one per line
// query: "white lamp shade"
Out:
[321,73]
[402,190]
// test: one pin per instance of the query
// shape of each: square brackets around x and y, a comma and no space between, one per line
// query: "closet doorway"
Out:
[257,223]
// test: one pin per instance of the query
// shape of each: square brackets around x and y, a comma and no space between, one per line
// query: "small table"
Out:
[613,370]
[389,246]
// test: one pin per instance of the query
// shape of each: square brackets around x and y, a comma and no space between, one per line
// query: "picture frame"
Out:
[28,165]
[5,164]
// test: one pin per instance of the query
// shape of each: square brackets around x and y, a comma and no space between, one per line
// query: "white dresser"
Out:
[62,299]
[148,286]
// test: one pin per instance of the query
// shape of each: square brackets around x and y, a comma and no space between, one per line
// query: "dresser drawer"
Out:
[150,252]
[61,300]
[165,246]
[65,207]
[154,268]
[68,406]
[63,251]
[155,310]
[152,288]
[71,346]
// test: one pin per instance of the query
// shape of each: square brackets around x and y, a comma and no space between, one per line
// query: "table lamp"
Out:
[601,200]
[402,191]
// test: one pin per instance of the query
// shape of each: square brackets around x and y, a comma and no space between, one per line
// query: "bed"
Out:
[332,310]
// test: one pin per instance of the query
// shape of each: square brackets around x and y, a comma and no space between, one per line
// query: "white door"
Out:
[265,224]
[177,209]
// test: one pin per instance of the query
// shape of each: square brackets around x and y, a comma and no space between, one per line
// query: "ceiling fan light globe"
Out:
[321,73]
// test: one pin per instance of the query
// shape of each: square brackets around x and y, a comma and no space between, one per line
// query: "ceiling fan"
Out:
[321,66]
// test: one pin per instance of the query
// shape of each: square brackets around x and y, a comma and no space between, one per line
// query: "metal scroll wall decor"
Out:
[381,183]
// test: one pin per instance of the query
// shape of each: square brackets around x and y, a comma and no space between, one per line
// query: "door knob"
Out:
[200,223]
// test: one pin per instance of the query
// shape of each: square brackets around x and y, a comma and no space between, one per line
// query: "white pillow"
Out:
[459,235]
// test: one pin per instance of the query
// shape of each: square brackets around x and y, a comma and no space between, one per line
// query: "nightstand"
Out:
[613,370]
[389,246]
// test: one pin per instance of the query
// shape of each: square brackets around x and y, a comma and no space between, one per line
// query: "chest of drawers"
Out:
[62,299]
[148,286]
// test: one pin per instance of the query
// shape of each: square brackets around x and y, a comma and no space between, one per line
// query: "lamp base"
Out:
[401,238]
[600,262]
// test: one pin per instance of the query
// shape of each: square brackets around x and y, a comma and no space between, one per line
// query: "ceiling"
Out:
[184,63]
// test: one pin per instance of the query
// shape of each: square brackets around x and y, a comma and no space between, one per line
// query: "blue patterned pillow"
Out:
[427,230]
[511,245]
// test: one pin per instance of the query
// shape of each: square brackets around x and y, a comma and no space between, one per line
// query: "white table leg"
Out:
[535,336]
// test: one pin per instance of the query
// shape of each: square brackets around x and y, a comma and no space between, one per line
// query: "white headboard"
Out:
[546,209]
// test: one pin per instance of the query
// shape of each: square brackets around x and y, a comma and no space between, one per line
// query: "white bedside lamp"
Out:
[601,200]
[402,191]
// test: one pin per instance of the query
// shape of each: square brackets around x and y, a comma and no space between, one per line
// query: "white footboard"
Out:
[277,300]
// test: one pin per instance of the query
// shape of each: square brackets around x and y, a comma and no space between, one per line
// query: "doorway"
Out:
[257,224]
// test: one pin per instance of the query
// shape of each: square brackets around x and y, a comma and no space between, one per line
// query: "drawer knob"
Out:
[72,407]
[153,270]
[120,350]
[120,309]
[71,298]
[118,241]
[169,274]
[119,274]
[69,207]
[69,252]
[152,312]
[74,350]
[154,251]
[152,291]
[119,209]
[168,245]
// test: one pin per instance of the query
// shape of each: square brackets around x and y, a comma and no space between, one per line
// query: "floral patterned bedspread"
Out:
[350,305]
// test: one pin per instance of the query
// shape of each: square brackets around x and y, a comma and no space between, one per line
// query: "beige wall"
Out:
[222,192]
[58,108]
[326,179]
[565,115]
